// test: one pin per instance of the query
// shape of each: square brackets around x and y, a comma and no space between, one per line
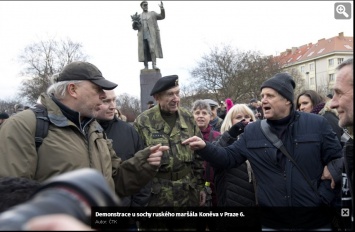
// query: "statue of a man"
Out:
[149,44]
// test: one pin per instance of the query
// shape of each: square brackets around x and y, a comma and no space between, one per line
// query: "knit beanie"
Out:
[229,104]
[283,83]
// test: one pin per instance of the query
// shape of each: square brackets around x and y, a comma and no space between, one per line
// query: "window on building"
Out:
[331,77]
[311,67]
[340,60]
[311,80]
[331,62]
[302,69]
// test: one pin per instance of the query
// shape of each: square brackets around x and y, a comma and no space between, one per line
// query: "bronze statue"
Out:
[149,44]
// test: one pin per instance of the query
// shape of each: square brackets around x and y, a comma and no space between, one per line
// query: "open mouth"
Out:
[266,108]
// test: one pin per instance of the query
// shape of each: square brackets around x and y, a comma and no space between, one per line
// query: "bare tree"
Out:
[297,77]
[43,59]
[7,105]
[229,73]
[130,106]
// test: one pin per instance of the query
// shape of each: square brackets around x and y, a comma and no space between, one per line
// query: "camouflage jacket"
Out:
[154,130]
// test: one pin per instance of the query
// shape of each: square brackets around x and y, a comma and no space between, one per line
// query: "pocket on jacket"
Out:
[156,187]
[194,195]
[184,153]
[259,144]
[155,197]
[263,146]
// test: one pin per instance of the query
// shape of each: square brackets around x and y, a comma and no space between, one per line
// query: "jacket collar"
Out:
[60,115]
[161,122]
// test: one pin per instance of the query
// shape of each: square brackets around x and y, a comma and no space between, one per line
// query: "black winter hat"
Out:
[165,83]
[4,116]
[283,83]
[85,71]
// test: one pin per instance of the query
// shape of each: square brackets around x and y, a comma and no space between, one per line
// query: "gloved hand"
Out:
[237,128]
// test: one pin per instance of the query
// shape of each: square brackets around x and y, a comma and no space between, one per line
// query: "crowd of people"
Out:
[205,156]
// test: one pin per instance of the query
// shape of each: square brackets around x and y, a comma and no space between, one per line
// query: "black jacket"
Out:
[126,142]
[312,143]
[235,186]
[349,165]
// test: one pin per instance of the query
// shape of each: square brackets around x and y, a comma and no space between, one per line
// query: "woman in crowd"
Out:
[310,101]
[235,187]
[119,115]
[202,114]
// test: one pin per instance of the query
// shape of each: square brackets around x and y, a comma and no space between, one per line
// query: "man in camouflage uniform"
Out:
[179,181]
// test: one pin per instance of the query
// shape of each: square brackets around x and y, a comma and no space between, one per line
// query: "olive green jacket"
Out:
[67,148]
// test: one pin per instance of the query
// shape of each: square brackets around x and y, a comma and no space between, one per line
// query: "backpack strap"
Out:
[42,124]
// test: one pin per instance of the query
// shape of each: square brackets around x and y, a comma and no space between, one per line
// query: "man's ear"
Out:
[72,90]
[156,97]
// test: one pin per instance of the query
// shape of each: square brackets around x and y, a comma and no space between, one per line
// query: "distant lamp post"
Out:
[307,73]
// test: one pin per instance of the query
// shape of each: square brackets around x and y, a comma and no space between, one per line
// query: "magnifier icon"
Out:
[341,10]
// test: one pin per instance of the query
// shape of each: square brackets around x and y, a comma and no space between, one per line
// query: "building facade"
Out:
[317,62]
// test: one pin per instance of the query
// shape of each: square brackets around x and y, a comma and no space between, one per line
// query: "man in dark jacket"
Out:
[126,142]
[286,199]
[343,102]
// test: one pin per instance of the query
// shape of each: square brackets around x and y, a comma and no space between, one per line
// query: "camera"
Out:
[72,193]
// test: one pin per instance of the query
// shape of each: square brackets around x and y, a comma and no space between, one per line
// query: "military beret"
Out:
[165,83]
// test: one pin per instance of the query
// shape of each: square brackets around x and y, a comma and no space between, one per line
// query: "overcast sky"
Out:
[189,30]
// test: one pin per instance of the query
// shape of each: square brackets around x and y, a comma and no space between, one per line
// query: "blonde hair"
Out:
[236,109]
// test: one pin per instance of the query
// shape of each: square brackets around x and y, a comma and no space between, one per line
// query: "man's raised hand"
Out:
[195,143]
[156,152]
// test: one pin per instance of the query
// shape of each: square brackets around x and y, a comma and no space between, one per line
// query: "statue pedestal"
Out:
[148,78]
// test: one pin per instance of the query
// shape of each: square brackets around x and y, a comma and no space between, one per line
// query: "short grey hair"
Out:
[201,104]
[348,62]
[345,63]
[59,89]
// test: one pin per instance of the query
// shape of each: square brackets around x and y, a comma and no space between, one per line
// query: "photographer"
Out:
[72,194]
[56,222]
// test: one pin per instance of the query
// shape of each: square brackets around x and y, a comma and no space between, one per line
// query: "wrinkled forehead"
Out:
[172,90]
[268,90]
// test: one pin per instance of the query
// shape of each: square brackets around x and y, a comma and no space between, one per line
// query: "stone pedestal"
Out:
[148,78]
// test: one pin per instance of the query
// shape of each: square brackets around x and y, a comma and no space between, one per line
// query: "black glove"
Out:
[237,129]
